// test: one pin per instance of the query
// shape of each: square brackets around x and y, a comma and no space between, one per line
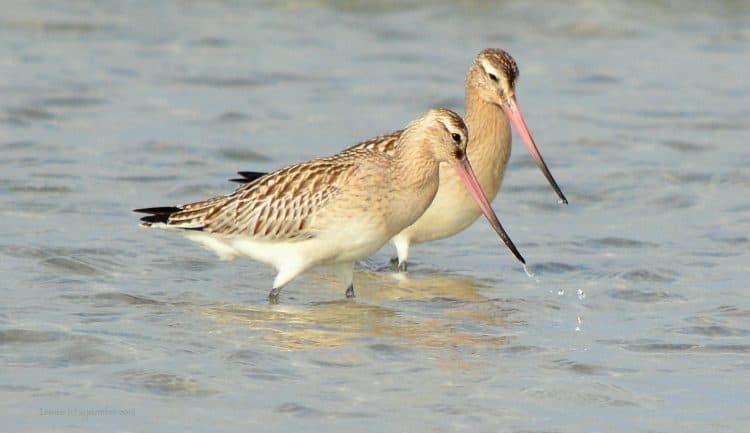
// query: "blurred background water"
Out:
[637,319]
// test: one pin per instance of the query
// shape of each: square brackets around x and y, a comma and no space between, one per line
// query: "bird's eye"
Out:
[456,137]
[493,77]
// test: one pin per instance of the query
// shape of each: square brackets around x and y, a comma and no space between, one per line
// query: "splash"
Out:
[530,274]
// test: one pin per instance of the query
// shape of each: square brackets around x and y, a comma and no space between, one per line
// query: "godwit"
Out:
[490,105]
[332,211]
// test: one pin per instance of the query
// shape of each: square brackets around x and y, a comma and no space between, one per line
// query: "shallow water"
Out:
[637,318]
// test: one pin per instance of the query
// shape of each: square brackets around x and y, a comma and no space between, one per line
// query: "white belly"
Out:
[344,244]
[452,210]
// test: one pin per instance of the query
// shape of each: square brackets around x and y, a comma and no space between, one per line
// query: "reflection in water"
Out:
[656,233]
[388,286]
[456,303]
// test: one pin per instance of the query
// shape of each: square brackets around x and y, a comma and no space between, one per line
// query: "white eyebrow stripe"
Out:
[490,69]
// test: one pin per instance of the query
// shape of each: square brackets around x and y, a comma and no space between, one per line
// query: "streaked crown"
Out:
[495,60]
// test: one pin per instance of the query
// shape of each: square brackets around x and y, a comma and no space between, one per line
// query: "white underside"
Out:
[452,211]
[334,249]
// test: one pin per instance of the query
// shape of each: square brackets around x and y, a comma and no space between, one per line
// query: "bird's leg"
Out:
[285,275]
[273,295]
[398,264]
[345,274]
[394,264]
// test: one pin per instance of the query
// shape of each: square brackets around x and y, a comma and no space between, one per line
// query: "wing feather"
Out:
[385,143]
[278,206]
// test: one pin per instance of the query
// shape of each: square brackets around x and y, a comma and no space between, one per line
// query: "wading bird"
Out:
[332,211]
[490,107]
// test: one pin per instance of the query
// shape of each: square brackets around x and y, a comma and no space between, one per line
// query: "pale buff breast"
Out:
[453,209]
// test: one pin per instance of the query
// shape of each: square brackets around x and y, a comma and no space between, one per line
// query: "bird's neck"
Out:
[489,140]
[415,162]
[416,179]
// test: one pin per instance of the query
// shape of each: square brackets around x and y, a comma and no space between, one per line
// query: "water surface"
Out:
[637,319]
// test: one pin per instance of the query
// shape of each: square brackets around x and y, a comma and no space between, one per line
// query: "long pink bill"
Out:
[513,111]
[465,172]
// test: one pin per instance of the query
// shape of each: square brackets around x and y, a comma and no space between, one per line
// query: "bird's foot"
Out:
[397,266]
[394,264]
[273,295]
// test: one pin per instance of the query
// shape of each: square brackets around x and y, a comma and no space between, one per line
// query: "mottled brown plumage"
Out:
[330,211]
[490,102]
[490,105]
[280,206]
[502,61]
[382,143]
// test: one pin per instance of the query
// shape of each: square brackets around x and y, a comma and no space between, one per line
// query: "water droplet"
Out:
[529,273]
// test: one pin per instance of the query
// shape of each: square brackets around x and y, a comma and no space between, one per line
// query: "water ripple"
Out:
[685,347]
[19,145]
[617,242]
[731,311]
[164,383]
[649,276]
[71,101]
[243,154]
[44,189]
[26,336]
[715,331]
[234,117]
[58,26]
[589,369]
[554,268]
[686,146]
[308,412]
[83,353]
[220,82]
[88,262]
[72,265]
[600,78]
[26,115]
[244,81]
[186,264]
[646,296]
[598,394]
[147,179]
[114,298]
[731,240]
[211,41]
[674,201]
[262,365]
[680,178]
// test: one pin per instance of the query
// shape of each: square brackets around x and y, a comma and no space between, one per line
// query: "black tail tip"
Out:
[248,176]
[158,214]
[155,219]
